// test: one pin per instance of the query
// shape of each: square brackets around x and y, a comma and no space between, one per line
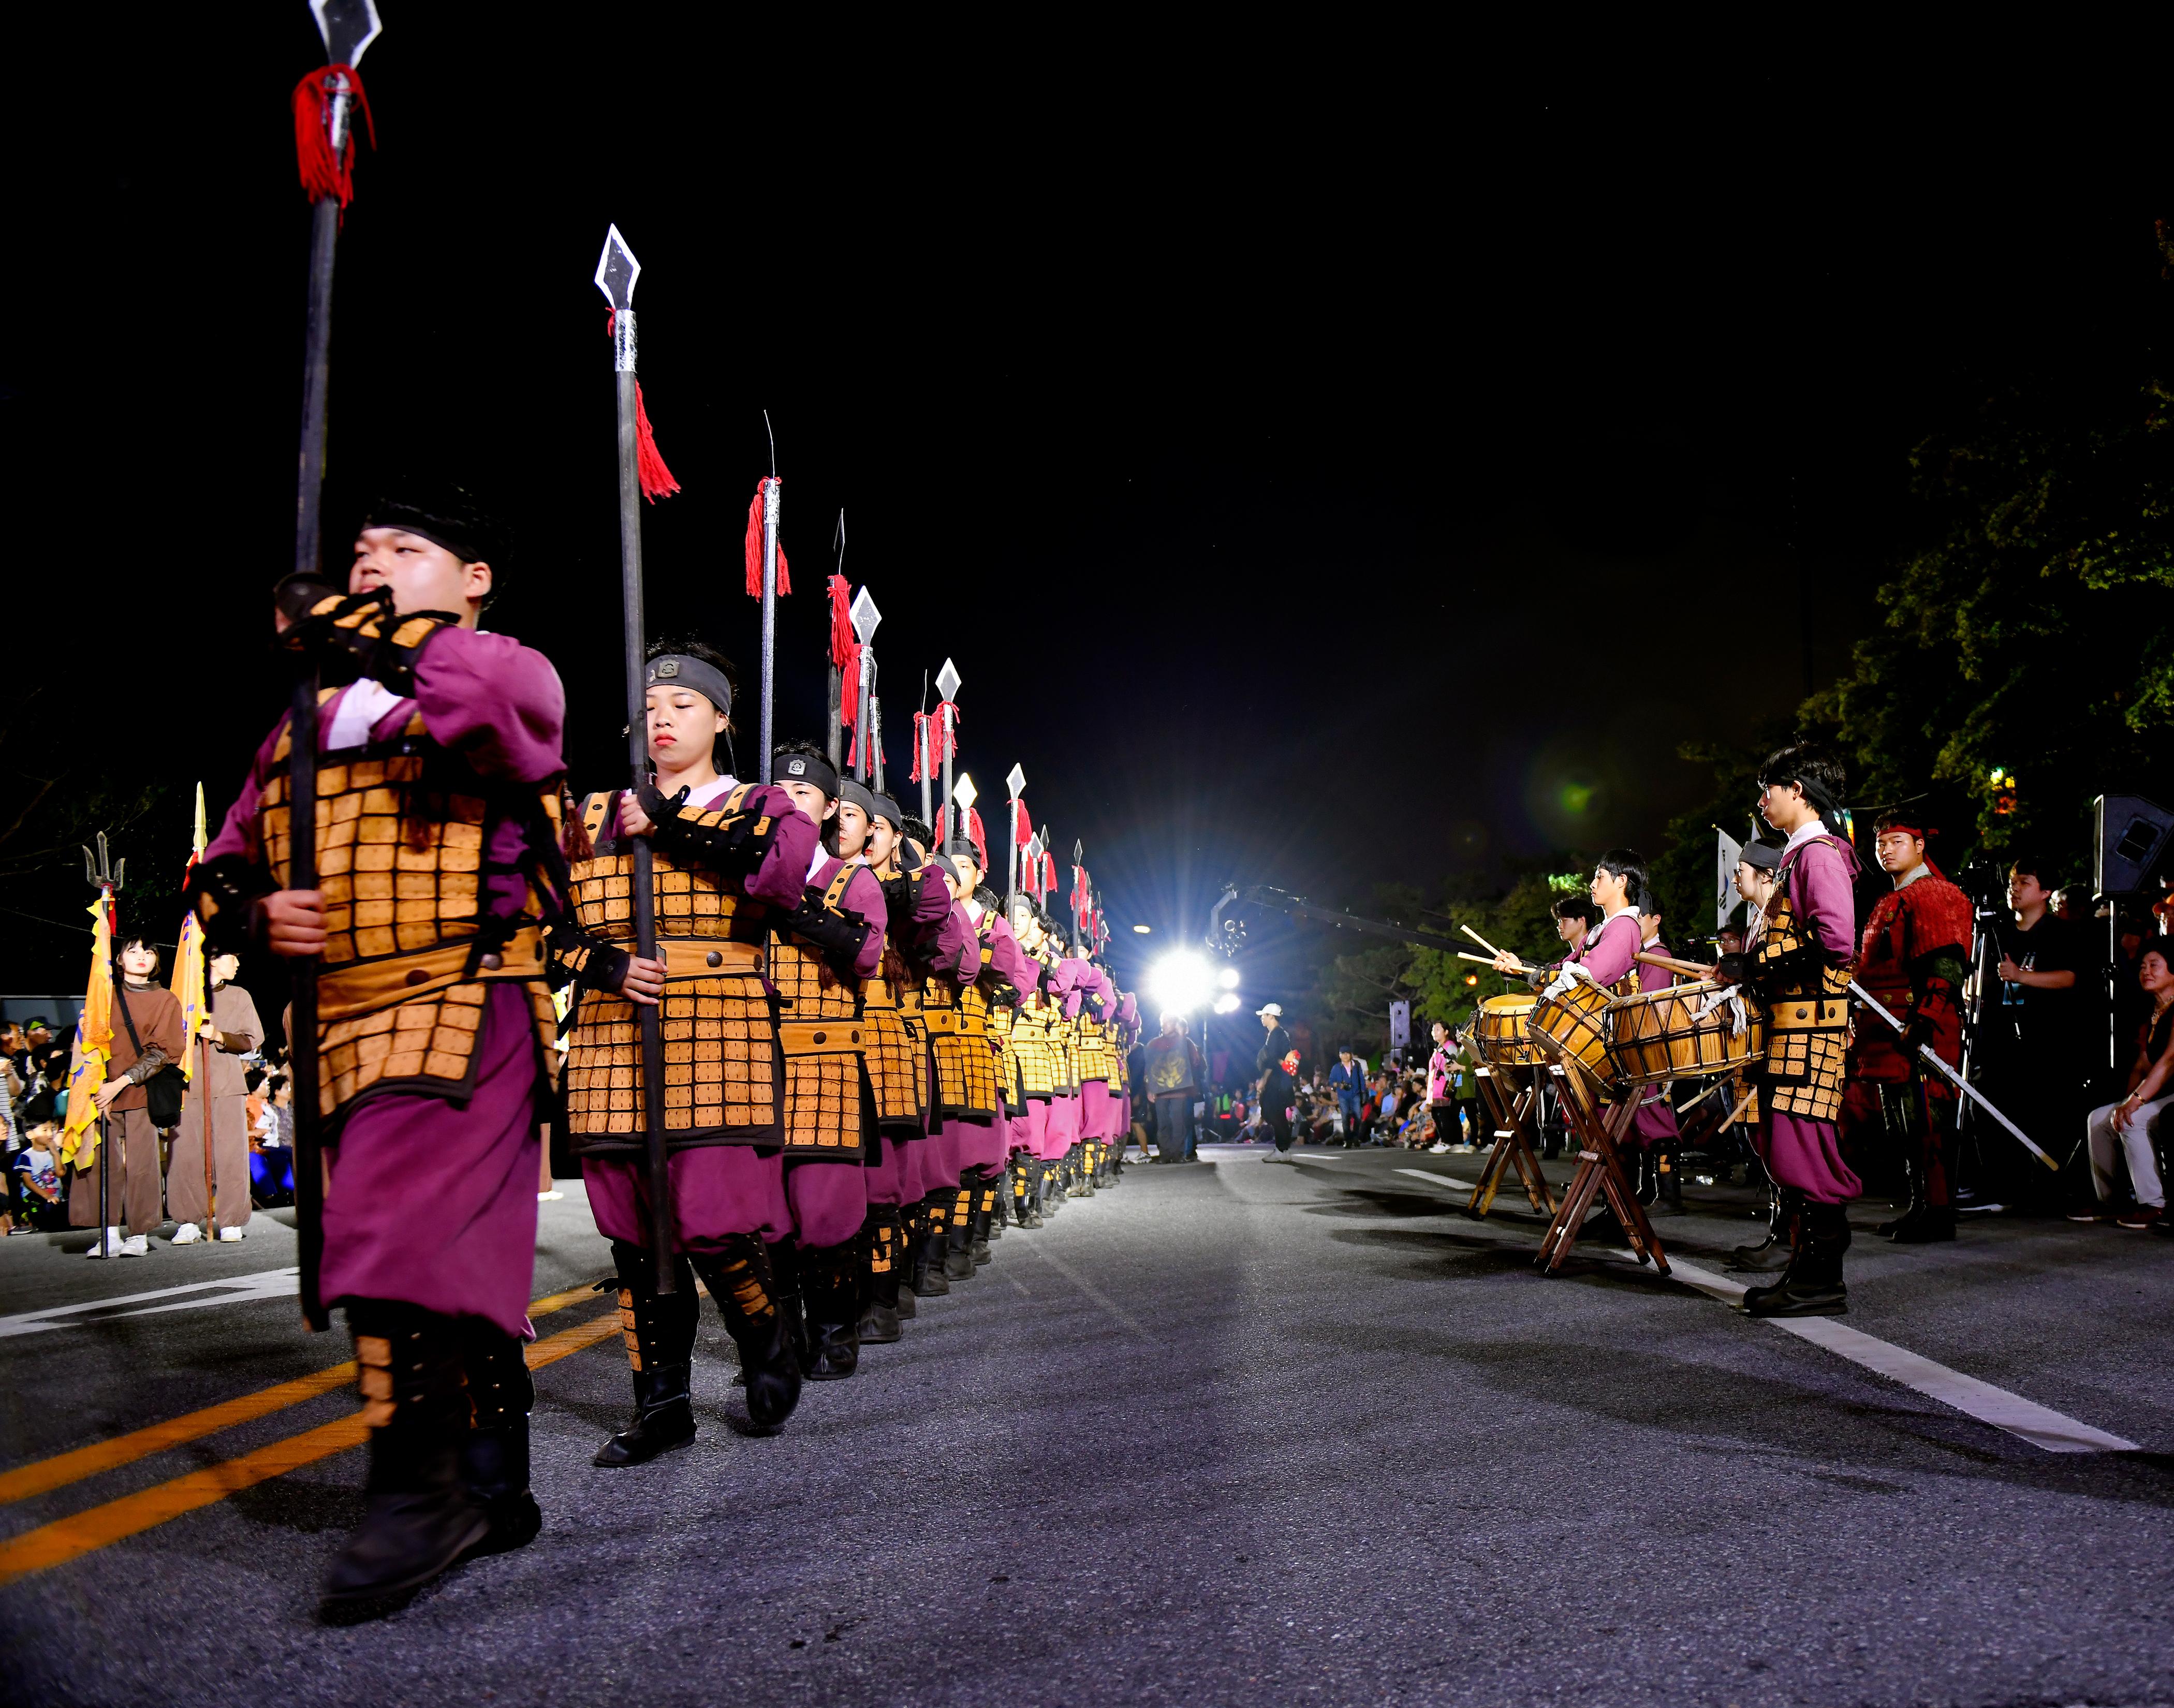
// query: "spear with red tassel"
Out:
[617,270]
[325,104]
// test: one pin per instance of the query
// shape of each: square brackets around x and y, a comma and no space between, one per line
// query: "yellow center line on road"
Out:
[70,1538]
[64,1468]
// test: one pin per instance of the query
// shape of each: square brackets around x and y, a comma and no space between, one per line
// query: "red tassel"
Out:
[975,836]
[841,622]
[946,743]
[324,174]
[755,547]
[1048,873]
[657,481]
[920,745]
[849,686]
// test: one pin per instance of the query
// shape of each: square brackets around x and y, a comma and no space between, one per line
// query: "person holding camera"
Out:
[147,1042]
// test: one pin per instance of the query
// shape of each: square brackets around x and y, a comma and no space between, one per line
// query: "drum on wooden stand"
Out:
[1574,1024]
[1499,1031]
[1683,1032]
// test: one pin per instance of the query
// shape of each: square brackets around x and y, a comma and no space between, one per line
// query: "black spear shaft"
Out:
[619,286]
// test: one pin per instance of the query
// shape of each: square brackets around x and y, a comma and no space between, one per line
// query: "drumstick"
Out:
[1691,968]
[1736,1112]
[1467,954]
[1478,939]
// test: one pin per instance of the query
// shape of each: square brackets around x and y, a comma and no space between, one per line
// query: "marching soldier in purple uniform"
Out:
[437,844]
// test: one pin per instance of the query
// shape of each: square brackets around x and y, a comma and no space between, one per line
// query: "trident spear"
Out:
[104,875]
[617,270]
[347,27]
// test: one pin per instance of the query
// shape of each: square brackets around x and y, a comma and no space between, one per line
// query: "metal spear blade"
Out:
[965,793]
[1034,849]
[947,681]
[865,617]
[1015,781]
[348,26]
[617,270]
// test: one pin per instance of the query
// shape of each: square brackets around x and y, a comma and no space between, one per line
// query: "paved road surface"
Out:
[1233,1433]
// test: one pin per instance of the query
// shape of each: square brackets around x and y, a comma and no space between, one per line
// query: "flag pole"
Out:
[617,271]
[769,510]
[924,761]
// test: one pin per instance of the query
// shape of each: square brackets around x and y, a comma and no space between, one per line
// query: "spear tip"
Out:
[348,26]
[617,270]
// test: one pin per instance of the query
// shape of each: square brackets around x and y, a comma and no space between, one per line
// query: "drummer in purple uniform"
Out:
[1654,1129]
[431,1154]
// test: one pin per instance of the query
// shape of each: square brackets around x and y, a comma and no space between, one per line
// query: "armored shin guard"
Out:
[906,1237]
[659,1331]
[740,1280]
[421,1519]
[957,1234]
[928,1253]
[1049,1184]
[982,1191]
[495,1456]
[879,1314]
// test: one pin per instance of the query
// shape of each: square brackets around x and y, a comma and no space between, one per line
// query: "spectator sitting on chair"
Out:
[2129,1122]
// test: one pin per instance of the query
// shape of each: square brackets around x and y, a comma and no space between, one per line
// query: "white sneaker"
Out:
[1437,1149]
[136,1245]
[229,1236]
[187,1235]
[112,1241]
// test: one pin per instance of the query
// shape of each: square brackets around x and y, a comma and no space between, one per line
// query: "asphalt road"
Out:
[1231,1433]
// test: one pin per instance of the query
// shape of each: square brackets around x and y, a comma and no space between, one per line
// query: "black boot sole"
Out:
[362,1598]
[1822,1302]
[615,1456]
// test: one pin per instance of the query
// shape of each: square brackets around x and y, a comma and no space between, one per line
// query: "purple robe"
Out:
[1655,1119]
[1799,1151]
[430,1202]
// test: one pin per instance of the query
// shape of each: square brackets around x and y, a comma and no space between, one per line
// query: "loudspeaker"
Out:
[2129,844]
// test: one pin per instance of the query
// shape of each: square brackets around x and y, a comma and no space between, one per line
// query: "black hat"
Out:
[858,794]
[788,767]
[959,846]
[444,515]
[886,809]
[1762,857]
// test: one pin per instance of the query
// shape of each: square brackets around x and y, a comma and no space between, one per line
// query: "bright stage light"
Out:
[1227,1003]
[1179,982]
[1228,978]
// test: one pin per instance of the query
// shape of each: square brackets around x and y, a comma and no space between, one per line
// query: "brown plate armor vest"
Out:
[1806,1016]
[1001,1015]
[1098,1059]
[724,1079]
[958,1023]
[411,949]
[1037,1058]
[894,1057]
[828,1103]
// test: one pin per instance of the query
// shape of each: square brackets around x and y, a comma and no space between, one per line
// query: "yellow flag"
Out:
[93,1047]
[188,983]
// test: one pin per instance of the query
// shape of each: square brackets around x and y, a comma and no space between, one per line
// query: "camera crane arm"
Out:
[1226,936]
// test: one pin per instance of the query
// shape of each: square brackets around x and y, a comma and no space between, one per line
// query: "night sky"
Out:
[1322,472]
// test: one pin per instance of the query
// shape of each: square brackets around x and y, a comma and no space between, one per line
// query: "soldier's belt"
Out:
[951,1020]
[366,986]
[822,1037]
[1808,1015]
[707,958]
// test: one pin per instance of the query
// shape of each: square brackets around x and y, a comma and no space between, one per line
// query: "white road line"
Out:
[1441,1179]
[237,1290]
[2040,1425]
[1090,1289]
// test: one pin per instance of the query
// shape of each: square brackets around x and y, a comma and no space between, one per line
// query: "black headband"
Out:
[851,790]
[678,670]
[886,809]
[804,768]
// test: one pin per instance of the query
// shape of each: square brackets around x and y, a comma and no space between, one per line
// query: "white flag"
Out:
[1730,853]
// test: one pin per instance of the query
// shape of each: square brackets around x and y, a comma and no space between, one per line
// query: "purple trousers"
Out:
[1061,1131]
[1655,1120]
[830,1201]
[431,1203]
[718,1191]
[1806,1155]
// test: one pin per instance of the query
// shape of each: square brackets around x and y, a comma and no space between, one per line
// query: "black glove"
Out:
[357,634]
[223,894]
[1048,978]
[588,961]
[1731,969]
[834,935]
[732,847]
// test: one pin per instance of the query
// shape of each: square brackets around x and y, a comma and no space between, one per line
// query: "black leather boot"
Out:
[421,1518]
[879,1323]
[1054,1191]
[495,1456]
[784,1284]
[659,1331]
[906,1226]
[957,1254]
[1812,1284]
[928,1254]
[831,1283]
[1772,1254]
[1000,1203]
[1926,1225]
[740,1280]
